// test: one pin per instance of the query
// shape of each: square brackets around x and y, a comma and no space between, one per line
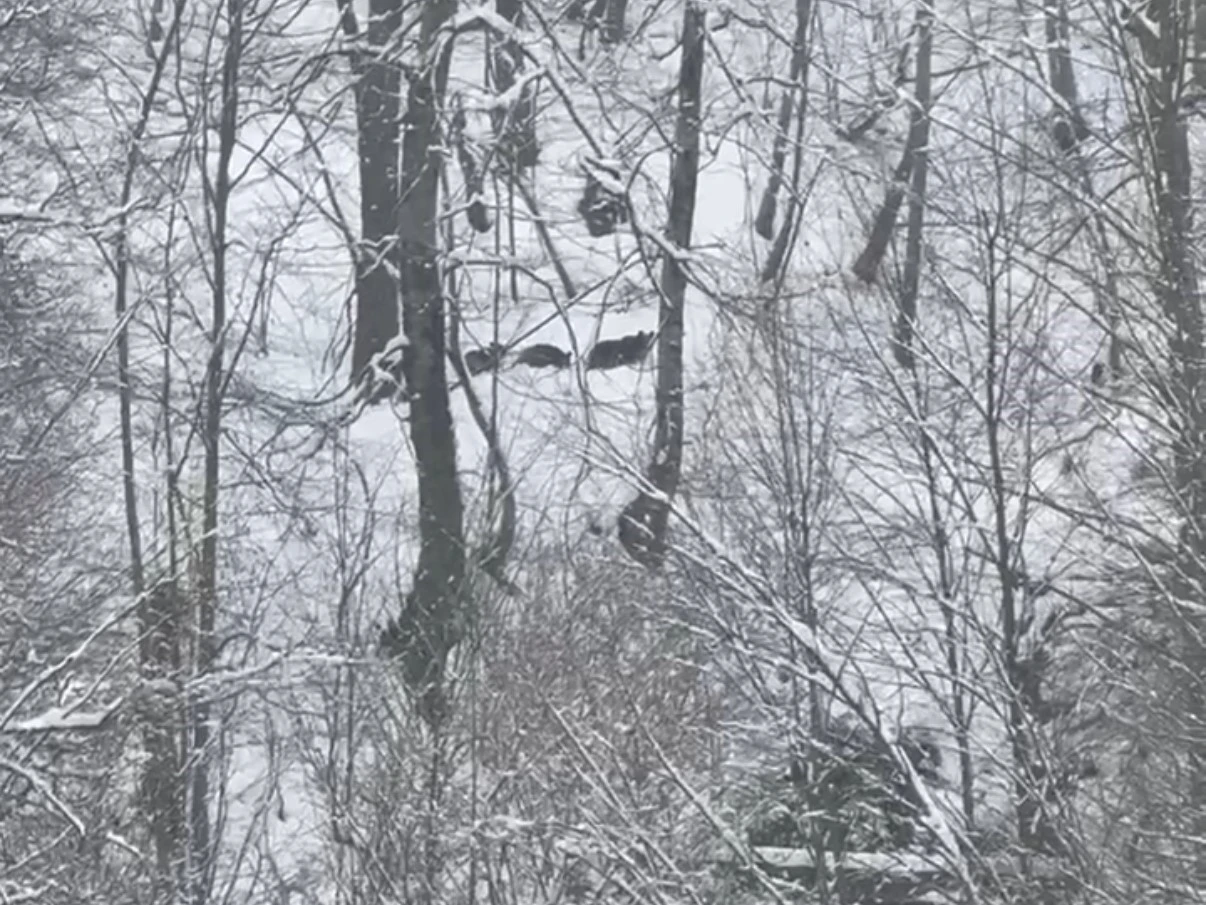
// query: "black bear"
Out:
[543,355]
[488,359]
[613,353]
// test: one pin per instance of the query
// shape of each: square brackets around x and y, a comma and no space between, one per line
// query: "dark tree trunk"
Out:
[612,29]
[434,618]
[1199,43]
[1070,126]
[644,521]
[919,140]
[202,853]
[377,93]
[866,267]
[776,261]
[1180,295]
[1026,803]
[764,221]
[161,626]
[162,789]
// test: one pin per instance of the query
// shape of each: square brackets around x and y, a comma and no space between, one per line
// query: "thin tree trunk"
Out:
[377,92]
[954,635]
[644,521]
[162,793]
[866,267]
[207,583]
[161,780]
[919,140]
[1069,132]
[764,222]
[1199,43]
[434,618]
[163,631]
[612,29]
[1070,126]
[1180,295]
[776,261]
[1002,555]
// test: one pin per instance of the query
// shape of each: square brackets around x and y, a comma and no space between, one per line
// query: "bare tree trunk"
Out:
[764,222]
[1199,43]
[202,853]
[612,29]
[435,615]
[866,267]
[644,521]
[377,92]
[1002,555]
[776,261]
[1069,131]
[1070,127]
[158,631]
[1108,300]
[1180,295]
[161,788]
[954,633]
[919,140]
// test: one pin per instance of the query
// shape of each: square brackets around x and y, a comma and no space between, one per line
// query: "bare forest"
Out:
[602,452]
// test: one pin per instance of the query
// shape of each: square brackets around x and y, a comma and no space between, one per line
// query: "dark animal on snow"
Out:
[614,353]
[479,361]
[543,355]
[601,208]
[479,217]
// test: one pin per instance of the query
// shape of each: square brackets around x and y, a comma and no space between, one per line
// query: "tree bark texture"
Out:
[764,221]
[1199,43]
[202,845]
[159,625]
[866,266]
[919,140]
[644,521]
[434,619]
[776,261]
[377,93]
[1179,292]
[1070,126]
